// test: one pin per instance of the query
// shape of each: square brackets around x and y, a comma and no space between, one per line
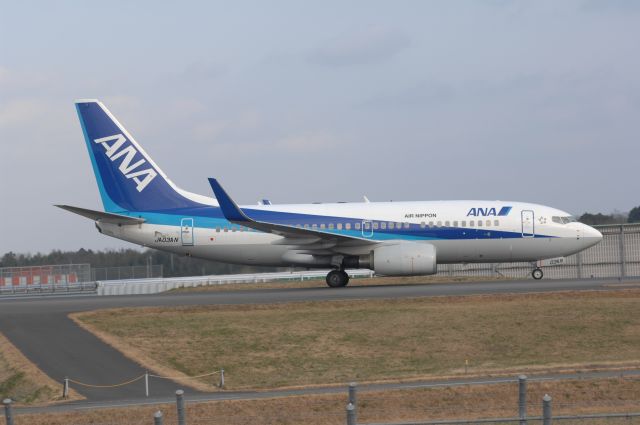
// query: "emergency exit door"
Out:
[528,225]
[186,231]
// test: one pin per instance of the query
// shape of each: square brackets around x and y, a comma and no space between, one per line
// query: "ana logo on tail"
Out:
[115,150]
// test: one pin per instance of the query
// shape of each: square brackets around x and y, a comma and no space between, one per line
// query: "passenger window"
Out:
[322,226]
[496,223]
[446,223]
[218,229]
[431,224]
[375,225]
[439,224]
[339,226]
[471,223]
[392,226]
[347,226]
[314,226]
[331,226]
[479,223]
[306,226]
[233,228]
[383,225]
[357,225]
[463,223]
[488,223]
[298,225]
[422,225]
[225,229]
[455,224]
[406,225]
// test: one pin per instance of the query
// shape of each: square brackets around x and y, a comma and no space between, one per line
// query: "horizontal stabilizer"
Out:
[101,216]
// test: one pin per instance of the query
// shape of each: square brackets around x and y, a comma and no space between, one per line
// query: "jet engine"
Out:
[404,259]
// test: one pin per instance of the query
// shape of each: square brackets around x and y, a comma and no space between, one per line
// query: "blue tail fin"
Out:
[127,177]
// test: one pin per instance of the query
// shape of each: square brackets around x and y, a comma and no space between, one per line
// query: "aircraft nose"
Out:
[590,232]
[591,236]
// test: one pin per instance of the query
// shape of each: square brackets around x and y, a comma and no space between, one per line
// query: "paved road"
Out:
[362,389]
[40,328]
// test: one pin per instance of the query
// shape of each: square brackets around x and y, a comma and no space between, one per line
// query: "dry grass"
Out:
[588,396]
[320,283]
[311,343]
[23,382]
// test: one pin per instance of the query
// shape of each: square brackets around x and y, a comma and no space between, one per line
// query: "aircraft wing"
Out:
[102,216]
[292,235]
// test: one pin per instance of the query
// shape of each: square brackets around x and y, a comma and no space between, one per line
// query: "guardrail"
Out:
[153,286]
[48,289]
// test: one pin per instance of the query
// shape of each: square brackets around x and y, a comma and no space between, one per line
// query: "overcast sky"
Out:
[299,102]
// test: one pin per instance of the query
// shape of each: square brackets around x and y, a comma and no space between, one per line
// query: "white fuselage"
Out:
[461,231]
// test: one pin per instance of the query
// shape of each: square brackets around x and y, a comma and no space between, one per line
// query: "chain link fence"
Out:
[128,272]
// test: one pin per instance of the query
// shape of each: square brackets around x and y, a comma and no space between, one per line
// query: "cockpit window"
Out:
[563,220]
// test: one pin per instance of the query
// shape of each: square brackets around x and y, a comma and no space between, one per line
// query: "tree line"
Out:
[614,218]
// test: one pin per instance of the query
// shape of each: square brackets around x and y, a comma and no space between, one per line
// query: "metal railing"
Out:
[152,286]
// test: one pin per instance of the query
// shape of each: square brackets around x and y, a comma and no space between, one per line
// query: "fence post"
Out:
[351,414]
[221,378]
[65,387]
[180,407]
[579,264]
[522,399]
[157,418]
[8,414]
[353,399]
[546,410]
[146,383]
[623,265]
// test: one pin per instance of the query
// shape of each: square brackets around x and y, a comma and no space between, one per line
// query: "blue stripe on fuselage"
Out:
[212,217]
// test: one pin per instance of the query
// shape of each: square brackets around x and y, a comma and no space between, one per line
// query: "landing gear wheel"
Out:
[537,274]
[337,278]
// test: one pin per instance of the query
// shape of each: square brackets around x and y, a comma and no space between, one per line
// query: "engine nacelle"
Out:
[405,259]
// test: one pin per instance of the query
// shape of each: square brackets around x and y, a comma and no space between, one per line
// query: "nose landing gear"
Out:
[537,273]
[337,278]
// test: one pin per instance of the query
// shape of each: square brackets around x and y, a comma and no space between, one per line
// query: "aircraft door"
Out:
[367,228]
[528,224]
[186,231]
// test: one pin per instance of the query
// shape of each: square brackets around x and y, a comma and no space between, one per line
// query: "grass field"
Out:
[311,343]
[584,396]
[22,381]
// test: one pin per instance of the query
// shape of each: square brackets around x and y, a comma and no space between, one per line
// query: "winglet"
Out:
[230,209]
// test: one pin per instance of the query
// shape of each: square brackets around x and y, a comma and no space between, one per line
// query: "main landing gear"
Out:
[337,278]
[537,274]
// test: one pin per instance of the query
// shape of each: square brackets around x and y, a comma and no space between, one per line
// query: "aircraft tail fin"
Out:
[127,177]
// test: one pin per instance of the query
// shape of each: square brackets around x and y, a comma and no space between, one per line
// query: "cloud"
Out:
[203,70]
[375,45]
[208,131]
[310,142]
[614,6]
[20,112]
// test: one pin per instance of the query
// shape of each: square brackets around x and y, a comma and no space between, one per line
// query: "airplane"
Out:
[143,206]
